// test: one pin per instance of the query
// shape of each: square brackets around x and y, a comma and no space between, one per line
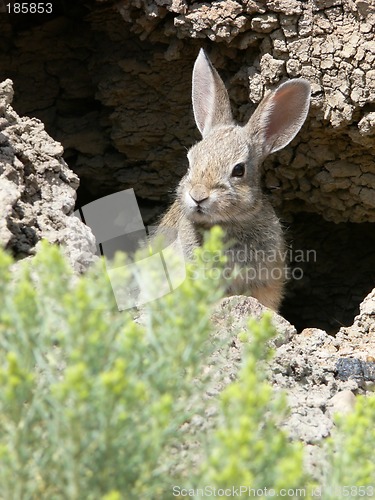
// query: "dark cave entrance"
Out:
[336,275]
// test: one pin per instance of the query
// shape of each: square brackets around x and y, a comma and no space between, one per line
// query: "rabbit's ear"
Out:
[280,115]
[211,103]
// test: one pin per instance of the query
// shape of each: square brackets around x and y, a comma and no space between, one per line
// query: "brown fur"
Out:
[210,194]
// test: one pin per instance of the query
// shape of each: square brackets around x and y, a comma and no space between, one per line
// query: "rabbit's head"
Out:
[222,185]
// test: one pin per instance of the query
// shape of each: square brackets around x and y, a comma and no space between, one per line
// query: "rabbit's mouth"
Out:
[198,213]
[200,216]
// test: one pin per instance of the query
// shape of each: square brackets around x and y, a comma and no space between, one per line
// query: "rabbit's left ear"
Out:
[211,103]
[280,115]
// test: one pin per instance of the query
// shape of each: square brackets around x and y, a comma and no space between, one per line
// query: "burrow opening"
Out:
[336,273]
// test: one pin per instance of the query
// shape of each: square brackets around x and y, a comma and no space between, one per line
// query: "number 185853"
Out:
[29,8]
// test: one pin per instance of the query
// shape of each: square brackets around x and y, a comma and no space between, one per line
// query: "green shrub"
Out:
[350,459]
[248,447]
[92,403]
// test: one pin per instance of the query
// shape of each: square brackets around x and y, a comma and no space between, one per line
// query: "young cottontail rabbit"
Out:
[222,184]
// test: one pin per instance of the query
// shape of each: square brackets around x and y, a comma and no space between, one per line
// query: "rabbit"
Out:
[222,184]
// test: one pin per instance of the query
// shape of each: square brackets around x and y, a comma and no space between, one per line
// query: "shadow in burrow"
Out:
[335,266]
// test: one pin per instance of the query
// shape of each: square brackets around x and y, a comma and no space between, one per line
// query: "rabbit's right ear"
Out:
[211,103]
[280,115]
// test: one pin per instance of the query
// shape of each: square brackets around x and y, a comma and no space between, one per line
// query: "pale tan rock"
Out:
[37,190]
[343,402]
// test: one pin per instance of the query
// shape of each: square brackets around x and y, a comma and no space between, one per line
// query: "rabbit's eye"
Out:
[238,170]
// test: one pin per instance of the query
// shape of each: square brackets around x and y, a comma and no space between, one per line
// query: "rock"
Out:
[125,118]
[9,194]
[235,311]
[357,369]
[343,402]
[37,190]
[264,23]
[307,368]
[304,366]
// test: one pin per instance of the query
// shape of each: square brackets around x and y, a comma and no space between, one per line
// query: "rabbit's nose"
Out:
[199,193]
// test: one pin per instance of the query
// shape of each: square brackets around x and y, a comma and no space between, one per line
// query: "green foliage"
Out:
[92,403]
[249,448]
[350,452]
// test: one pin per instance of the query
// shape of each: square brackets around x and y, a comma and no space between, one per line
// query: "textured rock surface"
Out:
[329,169]
[125,117]
[304,366]
[37,189]
[233,313]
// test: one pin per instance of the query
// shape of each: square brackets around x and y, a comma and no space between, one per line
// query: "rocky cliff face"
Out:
[329,168]
[111,82]
[306,366]
[37,190]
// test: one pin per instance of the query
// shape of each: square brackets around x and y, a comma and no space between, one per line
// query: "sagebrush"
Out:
[92,402]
